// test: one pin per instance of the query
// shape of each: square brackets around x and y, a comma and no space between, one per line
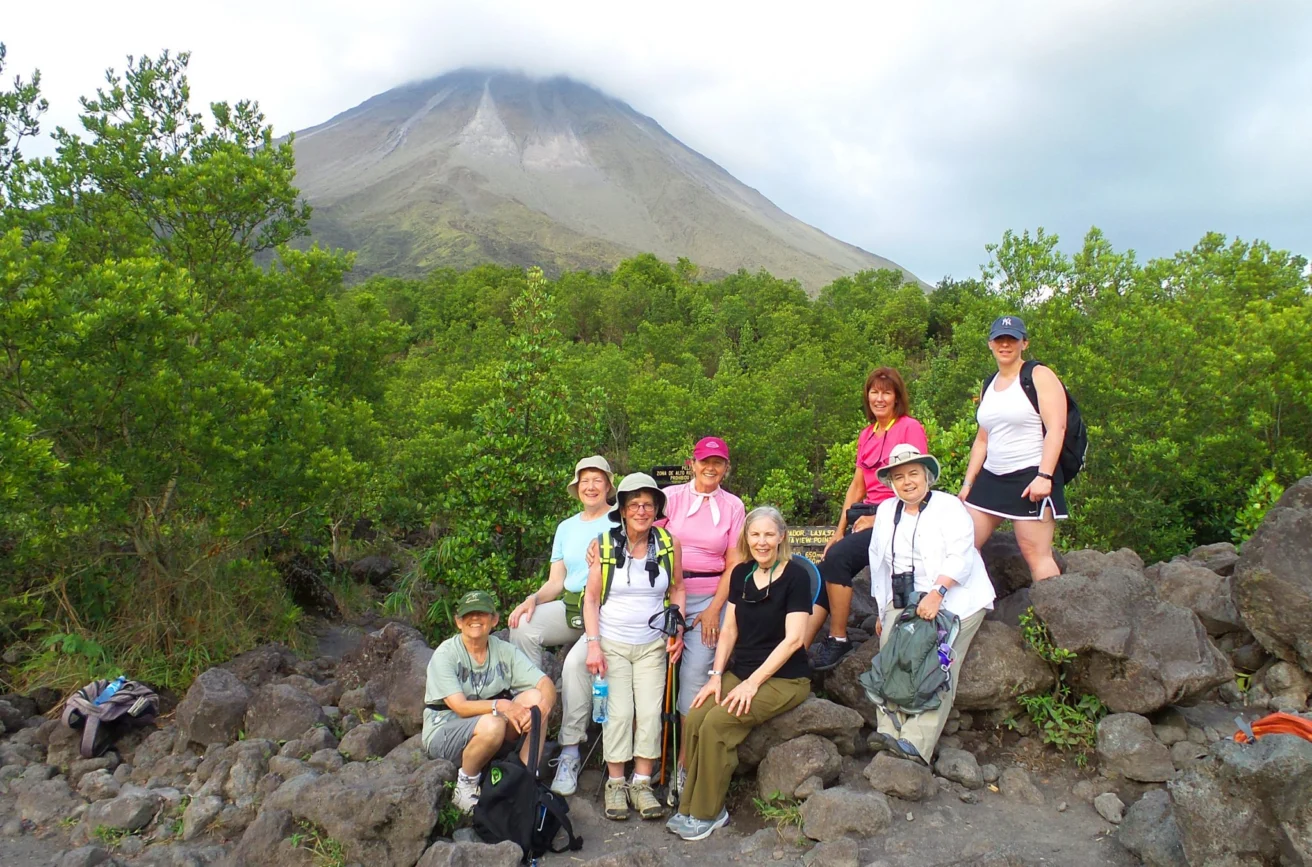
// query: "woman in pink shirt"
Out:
[848,552]
[707,520]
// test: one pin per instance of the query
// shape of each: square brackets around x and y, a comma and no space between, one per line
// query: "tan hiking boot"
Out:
[644,800]
[617,800]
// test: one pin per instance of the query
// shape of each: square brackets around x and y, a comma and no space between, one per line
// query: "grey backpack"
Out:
[913,669]
[97,703]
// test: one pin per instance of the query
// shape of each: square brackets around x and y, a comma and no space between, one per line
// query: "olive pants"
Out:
[713,735]
[923,730]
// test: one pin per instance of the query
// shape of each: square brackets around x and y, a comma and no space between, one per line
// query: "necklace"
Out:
[769,581]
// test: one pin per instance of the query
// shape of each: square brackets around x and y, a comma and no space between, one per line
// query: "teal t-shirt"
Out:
[573,536]
[452,670]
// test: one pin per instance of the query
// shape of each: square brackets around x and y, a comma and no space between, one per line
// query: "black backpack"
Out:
[513,804]
[1075,447]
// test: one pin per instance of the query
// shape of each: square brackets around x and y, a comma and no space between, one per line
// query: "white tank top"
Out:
[631,602]
[1014,428]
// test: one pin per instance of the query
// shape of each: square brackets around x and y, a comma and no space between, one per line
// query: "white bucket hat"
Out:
[594,462]
[908,454]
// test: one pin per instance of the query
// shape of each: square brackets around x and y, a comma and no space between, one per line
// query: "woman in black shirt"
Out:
[760,669]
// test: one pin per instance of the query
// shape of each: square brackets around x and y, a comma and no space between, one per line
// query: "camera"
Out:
[904,585]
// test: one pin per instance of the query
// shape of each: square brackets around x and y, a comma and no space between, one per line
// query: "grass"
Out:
[784,813]
[162,626]
[325,851]
[111,837]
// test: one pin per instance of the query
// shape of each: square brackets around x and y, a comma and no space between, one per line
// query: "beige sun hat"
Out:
[908,454]
[637,482]
[593,462]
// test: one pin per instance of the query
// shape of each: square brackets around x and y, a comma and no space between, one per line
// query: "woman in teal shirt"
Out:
[553,615]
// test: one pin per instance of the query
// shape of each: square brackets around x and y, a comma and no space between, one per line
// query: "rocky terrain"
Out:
[274,760]
[479,166]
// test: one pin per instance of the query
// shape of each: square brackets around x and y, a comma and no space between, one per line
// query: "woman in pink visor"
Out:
[707,520]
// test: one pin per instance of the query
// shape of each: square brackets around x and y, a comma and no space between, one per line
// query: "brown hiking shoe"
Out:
[644,800]
[616,800]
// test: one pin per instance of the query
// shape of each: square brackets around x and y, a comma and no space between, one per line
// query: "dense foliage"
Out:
[187,404]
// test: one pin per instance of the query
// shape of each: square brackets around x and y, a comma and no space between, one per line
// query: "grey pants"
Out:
[549,628]
[923,730]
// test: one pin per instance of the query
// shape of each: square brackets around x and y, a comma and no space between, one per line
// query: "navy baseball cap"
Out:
[1008,326]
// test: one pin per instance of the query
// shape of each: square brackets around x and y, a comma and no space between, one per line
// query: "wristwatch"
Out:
[713,673]
[592,638]
[942,589]
[1047,476]
[495,712]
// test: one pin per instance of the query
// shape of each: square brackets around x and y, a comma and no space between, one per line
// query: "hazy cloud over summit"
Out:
[918,131]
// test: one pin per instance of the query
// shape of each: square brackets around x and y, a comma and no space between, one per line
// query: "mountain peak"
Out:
[485,165]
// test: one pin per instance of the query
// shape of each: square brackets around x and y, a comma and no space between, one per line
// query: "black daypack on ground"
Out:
[131,702]
[1075,446]
[513,804]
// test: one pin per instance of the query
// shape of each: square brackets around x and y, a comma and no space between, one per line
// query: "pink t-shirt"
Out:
[873,449]
[704,543]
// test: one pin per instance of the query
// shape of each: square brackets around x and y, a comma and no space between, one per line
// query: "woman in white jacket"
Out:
[922,552]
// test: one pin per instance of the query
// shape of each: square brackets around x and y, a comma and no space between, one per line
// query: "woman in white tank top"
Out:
[1013,474]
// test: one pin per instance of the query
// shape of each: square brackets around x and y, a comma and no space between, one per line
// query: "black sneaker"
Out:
[830,653]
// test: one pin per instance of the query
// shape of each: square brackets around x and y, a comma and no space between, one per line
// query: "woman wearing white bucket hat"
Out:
[553,616]
[922,553]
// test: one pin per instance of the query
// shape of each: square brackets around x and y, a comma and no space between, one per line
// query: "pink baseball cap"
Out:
[710,447]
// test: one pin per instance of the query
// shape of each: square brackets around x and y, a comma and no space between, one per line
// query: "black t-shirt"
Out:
[760,618]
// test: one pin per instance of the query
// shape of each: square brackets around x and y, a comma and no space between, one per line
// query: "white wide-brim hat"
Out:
[908,454]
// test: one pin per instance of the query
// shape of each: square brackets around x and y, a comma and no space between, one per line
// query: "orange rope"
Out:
[1278,724]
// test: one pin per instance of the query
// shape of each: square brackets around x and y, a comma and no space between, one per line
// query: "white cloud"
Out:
[918,131]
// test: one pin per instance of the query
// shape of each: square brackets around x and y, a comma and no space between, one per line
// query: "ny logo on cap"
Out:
[1006,320]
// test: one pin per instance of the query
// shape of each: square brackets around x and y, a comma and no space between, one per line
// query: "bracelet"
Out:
[967,485]
[1047,476]
[592,638]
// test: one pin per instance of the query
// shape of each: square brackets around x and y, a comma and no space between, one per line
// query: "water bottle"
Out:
[600,695]
[113,687]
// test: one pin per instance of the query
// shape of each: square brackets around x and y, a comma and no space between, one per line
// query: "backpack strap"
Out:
[610,554]
[534,734]
[1027,384]
[988,380]
[90,728]
[560,813]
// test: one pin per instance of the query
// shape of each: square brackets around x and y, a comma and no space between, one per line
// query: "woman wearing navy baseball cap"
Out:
[1014,473]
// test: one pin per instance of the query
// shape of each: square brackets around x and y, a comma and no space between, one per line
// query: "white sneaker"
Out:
[675,791]
[465,795]
[566,781]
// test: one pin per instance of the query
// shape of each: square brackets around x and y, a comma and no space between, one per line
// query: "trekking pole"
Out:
[665,718]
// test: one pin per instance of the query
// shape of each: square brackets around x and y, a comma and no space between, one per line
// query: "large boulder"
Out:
[901,778]
[382,818]
[392,665]
[1220,557]
[815,716]
[1006,565]
[214,708]
[1150,833]
[264,664]
[130,811]
[1202,591]
[835,813]
[280,712]
[1136,652]
[1128,748]
[371,740]
[1249,804]
[1272,580]
[789,764]
[844,684]
[998,667]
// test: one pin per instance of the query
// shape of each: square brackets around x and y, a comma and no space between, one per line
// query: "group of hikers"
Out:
[645,579]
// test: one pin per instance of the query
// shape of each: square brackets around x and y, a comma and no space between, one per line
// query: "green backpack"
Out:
[913,669]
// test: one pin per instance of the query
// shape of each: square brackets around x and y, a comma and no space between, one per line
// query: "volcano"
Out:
[479,166]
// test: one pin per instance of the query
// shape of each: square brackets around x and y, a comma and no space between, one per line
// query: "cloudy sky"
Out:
[920,131]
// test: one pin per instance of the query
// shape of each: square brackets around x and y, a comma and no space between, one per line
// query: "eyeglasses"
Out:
[641,507]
